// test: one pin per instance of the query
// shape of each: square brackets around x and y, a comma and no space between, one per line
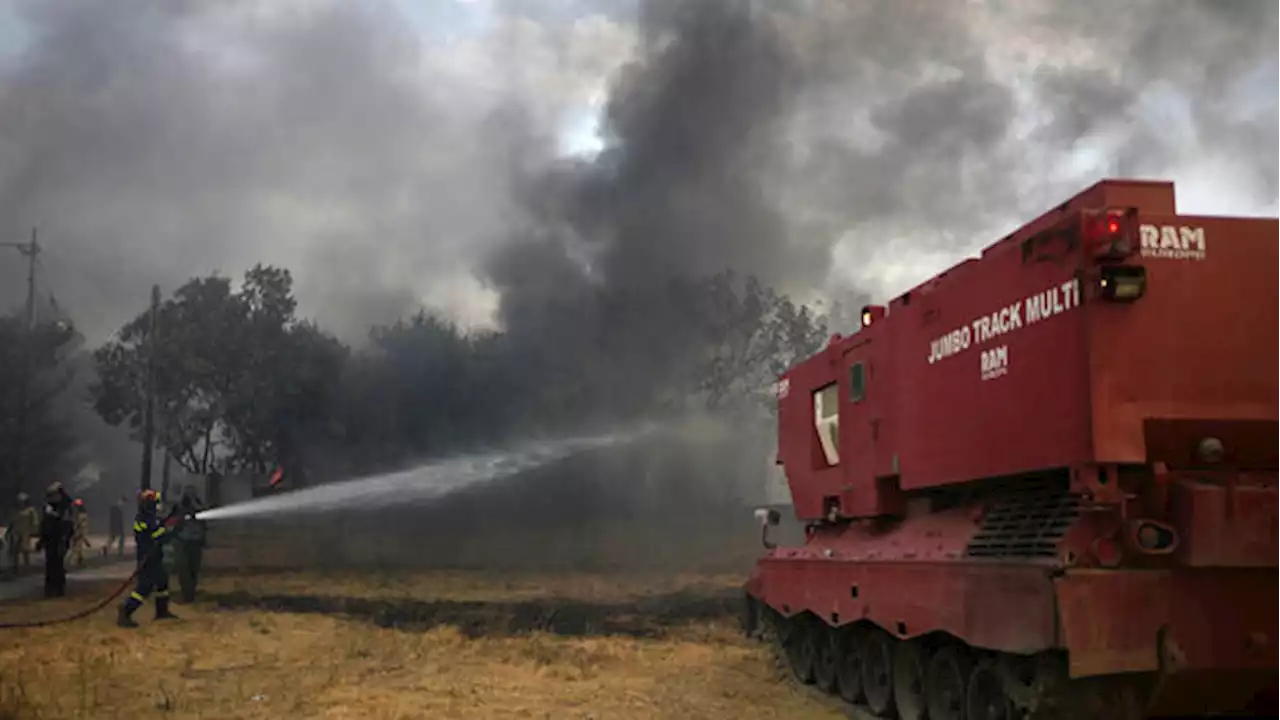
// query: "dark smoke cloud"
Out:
[960,123]
[814,143]
[153,141]
[691,127]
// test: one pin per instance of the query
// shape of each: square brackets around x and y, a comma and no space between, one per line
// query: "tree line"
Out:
[242,384]
[39,366]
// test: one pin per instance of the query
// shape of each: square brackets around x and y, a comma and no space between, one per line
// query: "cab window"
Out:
[826,418]
[857,382]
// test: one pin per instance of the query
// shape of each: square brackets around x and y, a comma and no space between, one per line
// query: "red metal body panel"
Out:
[1217,619]
[958,425]
[986,604]
[1199,346]
[1079,381]
[1021,458]
[1224,526]
[1211,622]
[912,580]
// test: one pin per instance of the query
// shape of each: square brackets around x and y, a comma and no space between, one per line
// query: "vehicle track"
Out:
[939,678]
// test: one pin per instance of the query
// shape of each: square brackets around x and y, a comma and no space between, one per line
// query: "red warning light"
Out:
[1113,226]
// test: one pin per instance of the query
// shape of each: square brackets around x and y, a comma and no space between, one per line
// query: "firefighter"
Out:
[115,528]
[150,535]
[190,544]
[55,532]
[24,524]
[80,531]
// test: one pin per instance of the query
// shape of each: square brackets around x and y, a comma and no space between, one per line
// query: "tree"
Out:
[243,384]
[747,335]
[46,441]
[196,358]
[424,387]
[236,374]
[283,386]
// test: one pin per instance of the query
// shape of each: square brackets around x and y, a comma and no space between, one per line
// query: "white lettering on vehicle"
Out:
[1172,242]
[995,362]
[1015,316]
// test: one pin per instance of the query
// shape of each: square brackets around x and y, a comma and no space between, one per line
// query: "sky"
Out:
[386,151]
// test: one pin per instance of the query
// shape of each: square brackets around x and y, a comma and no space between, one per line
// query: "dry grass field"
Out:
[427,645]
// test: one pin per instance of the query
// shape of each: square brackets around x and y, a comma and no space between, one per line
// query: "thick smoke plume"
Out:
[154,140]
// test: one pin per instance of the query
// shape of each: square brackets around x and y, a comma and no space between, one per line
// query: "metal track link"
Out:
[875,674]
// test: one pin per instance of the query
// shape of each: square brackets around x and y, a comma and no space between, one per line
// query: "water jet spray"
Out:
[425,482]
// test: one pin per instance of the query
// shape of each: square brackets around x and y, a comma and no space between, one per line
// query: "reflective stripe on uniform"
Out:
[162,593]
[137,596]
[158,532]
[139,526]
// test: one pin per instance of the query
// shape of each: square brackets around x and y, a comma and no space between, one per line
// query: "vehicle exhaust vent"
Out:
[1028,525]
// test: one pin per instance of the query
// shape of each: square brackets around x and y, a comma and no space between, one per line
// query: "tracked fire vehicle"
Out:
[1043,483]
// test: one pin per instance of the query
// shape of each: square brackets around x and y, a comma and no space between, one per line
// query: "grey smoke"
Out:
[152,141]
[692,131]
[1200,50]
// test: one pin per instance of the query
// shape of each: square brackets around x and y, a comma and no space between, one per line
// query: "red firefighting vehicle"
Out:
[1043,483]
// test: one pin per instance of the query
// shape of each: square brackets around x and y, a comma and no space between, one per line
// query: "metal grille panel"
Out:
[1025,526]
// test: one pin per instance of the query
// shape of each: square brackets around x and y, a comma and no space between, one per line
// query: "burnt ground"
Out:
[648,617]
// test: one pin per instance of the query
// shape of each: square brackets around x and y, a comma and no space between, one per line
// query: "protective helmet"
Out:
[149,496]
[78,502]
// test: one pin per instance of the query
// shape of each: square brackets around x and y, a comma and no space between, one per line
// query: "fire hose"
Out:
[79,614]
[92,608]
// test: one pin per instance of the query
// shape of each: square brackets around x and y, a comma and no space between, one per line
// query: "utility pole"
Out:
[32,251]
[148,417]
[164,473]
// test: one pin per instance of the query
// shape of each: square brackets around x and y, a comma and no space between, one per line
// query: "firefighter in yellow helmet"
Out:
[150,534]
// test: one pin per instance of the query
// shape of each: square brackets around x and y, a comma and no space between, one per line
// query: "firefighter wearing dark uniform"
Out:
[149,534]
[55,535]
